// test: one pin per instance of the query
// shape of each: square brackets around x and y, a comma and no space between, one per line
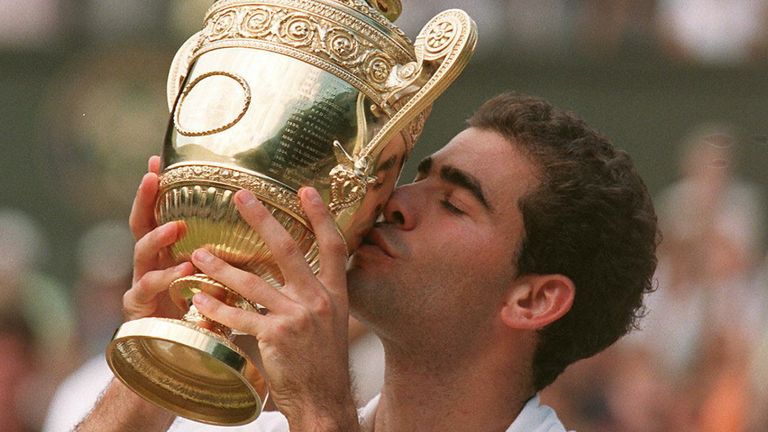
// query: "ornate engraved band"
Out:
[325,36]
[361,6]
[274,193]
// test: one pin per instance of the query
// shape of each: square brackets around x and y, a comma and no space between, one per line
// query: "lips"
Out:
[376,238]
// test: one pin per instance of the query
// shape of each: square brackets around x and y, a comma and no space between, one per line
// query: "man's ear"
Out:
[534,301]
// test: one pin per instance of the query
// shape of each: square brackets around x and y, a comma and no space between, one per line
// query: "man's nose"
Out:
[399,209]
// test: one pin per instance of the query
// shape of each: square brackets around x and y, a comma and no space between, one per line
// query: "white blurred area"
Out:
[714,31]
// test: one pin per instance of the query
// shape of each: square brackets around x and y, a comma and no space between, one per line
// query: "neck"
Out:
[485,392]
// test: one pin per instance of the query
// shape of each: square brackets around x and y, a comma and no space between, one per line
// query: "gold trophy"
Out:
[270,96]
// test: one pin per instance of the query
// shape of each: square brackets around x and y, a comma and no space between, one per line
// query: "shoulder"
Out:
[536,417]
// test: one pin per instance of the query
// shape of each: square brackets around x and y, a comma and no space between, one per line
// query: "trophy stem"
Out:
[195,317]
[183,289]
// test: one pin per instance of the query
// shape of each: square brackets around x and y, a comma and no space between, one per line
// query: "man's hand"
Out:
[303,336]
[153,270]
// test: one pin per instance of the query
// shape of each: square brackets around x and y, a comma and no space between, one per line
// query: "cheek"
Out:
[482,257]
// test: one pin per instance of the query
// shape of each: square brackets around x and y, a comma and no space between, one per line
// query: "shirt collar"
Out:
[534,417]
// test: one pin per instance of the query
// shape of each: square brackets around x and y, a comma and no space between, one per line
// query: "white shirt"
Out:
[77,395]
[534,417]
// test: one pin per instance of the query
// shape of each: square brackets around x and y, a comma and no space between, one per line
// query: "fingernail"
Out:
[168,228]
[203,255]
[143,182]
[200,298]
[246,198]
[181,267]
[312,195]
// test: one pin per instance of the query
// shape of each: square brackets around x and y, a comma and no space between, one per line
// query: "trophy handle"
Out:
[443,49]
[180,67]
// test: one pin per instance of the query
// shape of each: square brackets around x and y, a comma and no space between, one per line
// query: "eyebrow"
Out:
[458,178]
[388,164]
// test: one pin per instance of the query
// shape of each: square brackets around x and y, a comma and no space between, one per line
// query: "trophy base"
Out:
[188,370]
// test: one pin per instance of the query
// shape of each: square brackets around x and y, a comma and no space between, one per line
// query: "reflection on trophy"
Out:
[270,96]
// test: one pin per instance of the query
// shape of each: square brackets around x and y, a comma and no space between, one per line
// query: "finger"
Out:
[333,248]
[142,218]
[286,252]
[248,285]
[141,299]
[153,164]
[232,317]
[145,254]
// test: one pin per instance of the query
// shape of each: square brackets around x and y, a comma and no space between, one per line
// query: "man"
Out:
[523,245]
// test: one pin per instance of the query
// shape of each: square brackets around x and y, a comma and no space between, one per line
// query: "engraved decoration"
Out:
[440,36]
[297,30]
[343,46]
[270,191]
[378,68]
[256,22]
[349,179]
[235,116]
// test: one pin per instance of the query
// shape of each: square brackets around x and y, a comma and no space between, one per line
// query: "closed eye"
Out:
[450,207]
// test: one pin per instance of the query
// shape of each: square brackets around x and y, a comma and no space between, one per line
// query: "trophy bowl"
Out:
[270,96]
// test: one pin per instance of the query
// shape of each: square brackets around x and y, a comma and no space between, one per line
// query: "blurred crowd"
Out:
[709,31]
[698,363]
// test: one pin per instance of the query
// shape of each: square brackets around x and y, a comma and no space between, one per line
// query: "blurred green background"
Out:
[83,105]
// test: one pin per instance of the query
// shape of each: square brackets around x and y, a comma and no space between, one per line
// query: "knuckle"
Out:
[282,328]
[216,266]
[212,310]
[288,247]
[143,246]
[323,306]
[335,244]
[255,214]
[142,284]
[138,253]
[127,297]
[302,318]
[251,285]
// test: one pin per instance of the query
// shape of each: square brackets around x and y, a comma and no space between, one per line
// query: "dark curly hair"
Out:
[590,219]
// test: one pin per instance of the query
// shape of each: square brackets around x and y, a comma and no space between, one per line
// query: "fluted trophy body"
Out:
[271,96]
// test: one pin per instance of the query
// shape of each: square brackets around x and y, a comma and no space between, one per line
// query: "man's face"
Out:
[439,265]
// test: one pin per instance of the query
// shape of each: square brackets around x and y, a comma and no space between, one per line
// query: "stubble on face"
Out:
[451,283]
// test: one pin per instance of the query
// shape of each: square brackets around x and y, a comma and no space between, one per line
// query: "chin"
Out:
[363,283]
[356,274]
